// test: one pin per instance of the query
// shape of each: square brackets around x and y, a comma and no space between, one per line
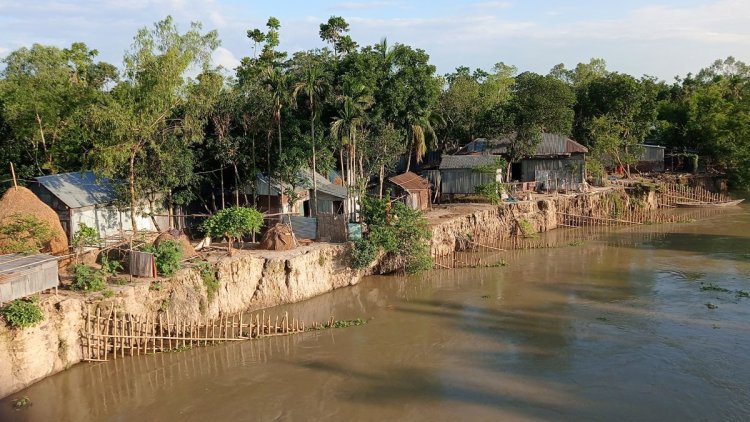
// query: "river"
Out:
[615,328]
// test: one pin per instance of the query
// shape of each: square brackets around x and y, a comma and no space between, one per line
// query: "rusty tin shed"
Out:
[23,275]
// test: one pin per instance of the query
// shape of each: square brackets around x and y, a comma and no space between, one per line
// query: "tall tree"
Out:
[538,104]
[313,86]
[45,91]
[617,113]
[154,115]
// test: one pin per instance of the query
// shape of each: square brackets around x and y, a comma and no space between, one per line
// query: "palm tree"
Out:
[345,128]
[422,131]
[276,81]
[314,87]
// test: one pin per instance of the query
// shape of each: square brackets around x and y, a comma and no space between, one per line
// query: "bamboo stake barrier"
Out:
[134,335]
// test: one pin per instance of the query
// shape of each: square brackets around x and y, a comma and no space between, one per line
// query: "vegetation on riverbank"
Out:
[345,107]
[393,228]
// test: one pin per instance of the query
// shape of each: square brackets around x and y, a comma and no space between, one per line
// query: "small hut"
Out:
[413,190]
[82,198]
[461,174]
[23,275]
[651,158]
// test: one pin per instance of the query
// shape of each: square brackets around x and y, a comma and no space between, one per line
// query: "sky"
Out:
[662,38]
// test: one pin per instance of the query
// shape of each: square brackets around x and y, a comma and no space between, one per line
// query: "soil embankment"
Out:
[248,281]
[252,280]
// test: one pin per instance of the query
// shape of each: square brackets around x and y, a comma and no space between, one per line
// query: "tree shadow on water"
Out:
[426,386]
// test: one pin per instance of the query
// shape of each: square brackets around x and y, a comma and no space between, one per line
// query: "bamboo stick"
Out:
[161,333]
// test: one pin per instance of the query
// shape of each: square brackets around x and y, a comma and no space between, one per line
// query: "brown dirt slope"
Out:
[23,201]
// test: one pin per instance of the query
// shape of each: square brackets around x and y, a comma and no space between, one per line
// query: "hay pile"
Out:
[278,238]
[23,201]
[187,248]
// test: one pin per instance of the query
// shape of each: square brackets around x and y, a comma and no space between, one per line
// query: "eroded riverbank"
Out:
[613,329]
[254,280]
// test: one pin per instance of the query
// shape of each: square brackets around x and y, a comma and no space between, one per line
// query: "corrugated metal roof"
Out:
[325,186]
[334,190]
[78,190]
[19,262]
[410,181]
[550,144]
[466,161]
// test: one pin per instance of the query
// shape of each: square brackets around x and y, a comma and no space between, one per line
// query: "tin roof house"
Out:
[412,190]
[83,198]
[331,196]
[557,162]
[24,275]
[461,174]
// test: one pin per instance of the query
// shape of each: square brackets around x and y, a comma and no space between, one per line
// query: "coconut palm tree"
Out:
[314,87]
[276,81]
[422,133]
[345,127]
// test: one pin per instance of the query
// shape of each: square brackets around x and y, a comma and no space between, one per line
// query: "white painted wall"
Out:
[108,220]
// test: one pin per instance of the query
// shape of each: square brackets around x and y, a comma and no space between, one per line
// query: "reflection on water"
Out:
[613,329]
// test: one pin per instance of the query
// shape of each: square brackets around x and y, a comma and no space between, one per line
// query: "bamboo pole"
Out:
[169,333]
[13,174]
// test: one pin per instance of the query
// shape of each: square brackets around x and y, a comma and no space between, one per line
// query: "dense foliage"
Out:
[345,107]
[233,223]
[23,313]
[88,279]
[167,255]
[397,229]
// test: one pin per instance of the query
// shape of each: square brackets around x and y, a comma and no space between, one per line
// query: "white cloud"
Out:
[225,58]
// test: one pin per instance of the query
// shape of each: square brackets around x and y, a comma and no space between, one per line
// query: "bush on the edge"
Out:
[363,253]
[395,228]
[23,313]
[167,255]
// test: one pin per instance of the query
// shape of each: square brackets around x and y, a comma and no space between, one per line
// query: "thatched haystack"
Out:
[187,248]
[278,238]
[20,201]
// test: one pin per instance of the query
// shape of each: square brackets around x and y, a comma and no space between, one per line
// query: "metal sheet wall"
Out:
[28,281]
[566,170]
[464,181]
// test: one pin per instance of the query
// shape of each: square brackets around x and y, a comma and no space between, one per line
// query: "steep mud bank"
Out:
[452,225]
[252,280]
[248,281]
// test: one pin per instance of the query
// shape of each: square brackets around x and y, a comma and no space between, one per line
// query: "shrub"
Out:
[233,223]
[23,313]
[85,236]
[397,229]
[88,279]
[527,229]
[363,253]
[110,267]
[167,255]
[24,233]
[491,192]
[208,275]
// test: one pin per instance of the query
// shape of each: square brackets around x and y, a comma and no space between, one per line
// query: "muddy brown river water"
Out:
[617,328]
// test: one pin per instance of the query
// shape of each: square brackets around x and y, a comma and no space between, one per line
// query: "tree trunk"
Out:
[223,202]
[381,176]
[268,176]
[314,208]
[151,214]
[131,187]
[408,154]
[236,186]
[344,181]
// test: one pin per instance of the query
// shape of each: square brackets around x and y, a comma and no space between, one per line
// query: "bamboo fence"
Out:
[117,335]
